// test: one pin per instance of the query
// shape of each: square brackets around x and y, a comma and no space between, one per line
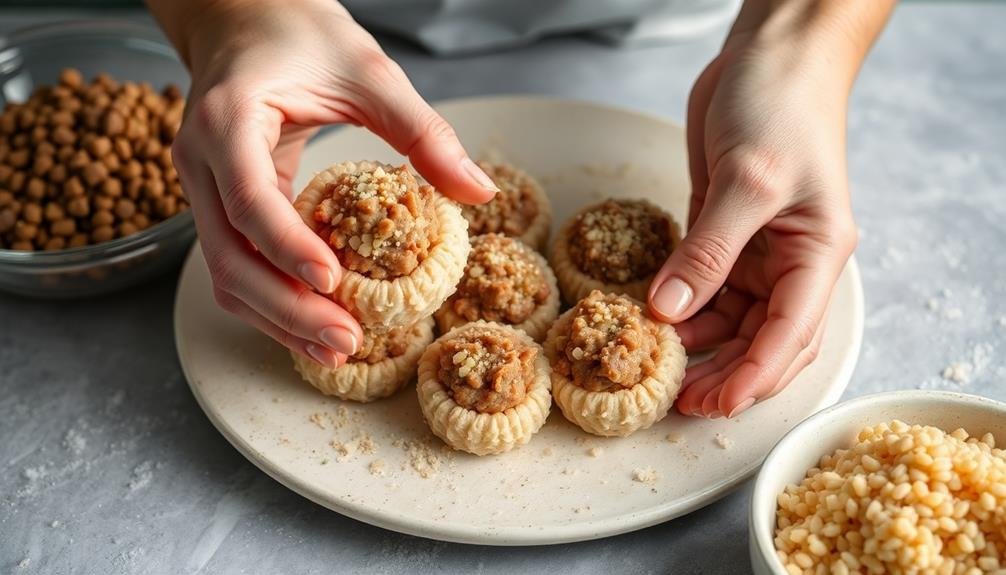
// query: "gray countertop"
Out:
[107,465]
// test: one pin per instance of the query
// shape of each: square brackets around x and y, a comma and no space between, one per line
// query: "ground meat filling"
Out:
[511,211]
[380,222]
[379,346]
[610,345]
[620,241]
[503,282]
[487,370]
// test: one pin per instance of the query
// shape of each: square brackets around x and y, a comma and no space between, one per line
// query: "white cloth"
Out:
[464,26]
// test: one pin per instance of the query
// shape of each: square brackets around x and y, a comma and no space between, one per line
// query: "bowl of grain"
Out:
[897,482]
[89,199]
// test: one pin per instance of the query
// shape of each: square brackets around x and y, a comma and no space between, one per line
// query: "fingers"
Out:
[795,313]
[399,115]
[237,140]
[739,202]
[245,283]
[716,325]
[695,129]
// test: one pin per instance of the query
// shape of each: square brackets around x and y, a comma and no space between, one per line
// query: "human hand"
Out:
[770,222]
[265,74]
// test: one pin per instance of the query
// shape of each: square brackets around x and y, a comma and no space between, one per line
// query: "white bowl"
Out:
[837,427]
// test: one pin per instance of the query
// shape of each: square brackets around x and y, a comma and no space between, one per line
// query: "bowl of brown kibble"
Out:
[896,482]
[89,199]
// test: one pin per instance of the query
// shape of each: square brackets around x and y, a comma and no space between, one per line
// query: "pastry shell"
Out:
[473,431]
[620,413]
[406,299]
[536,325]
[575,285]
[362,381]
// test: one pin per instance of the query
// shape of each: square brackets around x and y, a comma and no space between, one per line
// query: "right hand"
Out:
[265,75]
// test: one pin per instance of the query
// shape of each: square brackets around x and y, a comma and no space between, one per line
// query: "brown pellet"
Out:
[84,162]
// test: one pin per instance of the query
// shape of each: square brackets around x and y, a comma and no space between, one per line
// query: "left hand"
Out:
[770,222]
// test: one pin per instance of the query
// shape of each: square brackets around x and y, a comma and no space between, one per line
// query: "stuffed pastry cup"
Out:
[505,281]
[402,245]
[385,363]
[616,246]
[519,210]
[614,370]
[484,388]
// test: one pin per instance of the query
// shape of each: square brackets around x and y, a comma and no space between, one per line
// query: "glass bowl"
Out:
[127,51]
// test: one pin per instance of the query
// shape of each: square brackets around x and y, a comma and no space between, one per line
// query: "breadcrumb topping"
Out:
[486,369]
[503,282]
[513,208]
[380,222]
[610,346]
[620,241]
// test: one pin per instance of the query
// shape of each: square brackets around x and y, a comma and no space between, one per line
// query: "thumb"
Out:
[400,116]
[698,267]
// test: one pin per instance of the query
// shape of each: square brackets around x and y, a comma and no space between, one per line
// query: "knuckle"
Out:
[227,301]
[813,351]
[707,258]
[374,65]
[431,126]
[279,239]
[801,331]
[239,202]
[288,318]
[226,276]
[757,173]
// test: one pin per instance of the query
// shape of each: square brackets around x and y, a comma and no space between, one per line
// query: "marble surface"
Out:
[108,466]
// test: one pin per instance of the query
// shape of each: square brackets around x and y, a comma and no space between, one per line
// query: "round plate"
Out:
[378,462]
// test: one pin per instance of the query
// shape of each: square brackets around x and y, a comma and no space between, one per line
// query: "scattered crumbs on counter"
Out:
[143,474]
[569,471]
[284,440]
[595,451]
[325,461]
[675,437]
[582,440]
[377,467]
[55,524]
[318,418]
[583,509]
[547,452]
[645,475]
[958,372]
[74,441]
[23,564]
[723,441]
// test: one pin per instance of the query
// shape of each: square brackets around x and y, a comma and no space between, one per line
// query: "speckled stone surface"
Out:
[107,465]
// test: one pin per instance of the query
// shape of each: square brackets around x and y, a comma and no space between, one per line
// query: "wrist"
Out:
[830,36]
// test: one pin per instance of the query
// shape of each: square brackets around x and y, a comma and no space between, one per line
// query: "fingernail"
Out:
[322,355]
[716,414]
[338,338]
[742,406]
[474,172]
[673,298]
[318,276]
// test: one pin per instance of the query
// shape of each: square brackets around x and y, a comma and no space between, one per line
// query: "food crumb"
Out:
[422,458]
[583,509]
[318,419]
[24,563]
[958,372]
[377,467]
[1002,321]
[54,524]
[723,441]
[674,438]
[645,475]
[595,451]
[325,461]
[547,452]
[569,471]
[582,440]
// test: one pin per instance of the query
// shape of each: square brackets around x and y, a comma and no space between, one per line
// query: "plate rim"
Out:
[588,529]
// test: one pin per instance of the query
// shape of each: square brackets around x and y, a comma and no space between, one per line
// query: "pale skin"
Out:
[770,223]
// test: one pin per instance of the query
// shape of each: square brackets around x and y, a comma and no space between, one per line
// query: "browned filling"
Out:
[380,222]
[486,369]
[503,282]
[511,211]
[378,346]
[620,241]
[610,346]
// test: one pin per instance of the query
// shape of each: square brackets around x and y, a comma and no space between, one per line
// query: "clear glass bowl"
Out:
[127,51]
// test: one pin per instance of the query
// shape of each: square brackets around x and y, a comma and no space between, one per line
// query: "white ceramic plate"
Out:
[552,490]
